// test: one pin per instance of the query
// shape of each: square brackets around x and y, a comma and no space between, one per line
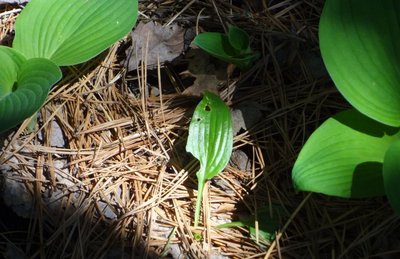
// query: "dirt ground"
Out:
[105,174]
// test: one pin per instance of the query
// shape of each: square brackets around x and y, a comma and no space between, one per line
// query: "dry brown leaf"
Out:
[151,41]
[208,75]
[245,116]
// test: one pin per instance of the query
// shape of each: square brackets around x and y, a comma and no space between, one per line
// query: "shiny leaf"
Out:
[359,44]
[391,175]
[10,64]
[210,140]
[69,32]
[238,39]
[25,88]
[344,157]
[219,46]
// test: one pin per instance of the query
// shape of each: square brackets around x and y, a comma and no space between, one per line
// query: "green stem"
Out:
[232,224]
[200,189]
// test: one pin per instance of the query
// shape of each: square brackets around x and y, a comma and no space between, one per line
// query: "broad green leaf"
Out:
[359,41]
[29,89]
[239,39]
[210,140]
[218,45]
[391,175]
[69,32]
[210,137]
[344,157]
[10,64]
[244,61]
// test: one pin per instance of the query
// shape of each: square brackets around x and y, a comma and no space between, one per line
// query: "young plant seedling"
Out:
[210,140]
[233,48]
[53,33]
[268,224]
[356,152]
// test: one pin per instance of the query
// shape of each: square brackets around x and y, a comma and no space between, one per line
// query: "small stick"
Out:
[176,15]
[10,12]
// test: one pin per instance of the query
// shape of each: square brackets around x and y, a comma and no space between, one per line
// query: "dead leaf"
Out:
[203,82]
[208,74]
[152,40]
[241,160]
[245,116]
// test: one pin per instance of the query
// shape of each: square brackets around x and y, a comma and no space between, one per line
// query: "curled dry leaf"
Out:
[245,115]
[207,72]
[152,40]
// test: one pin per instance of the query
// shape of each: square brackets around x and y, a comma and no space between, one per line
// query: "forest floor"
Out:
[105,173]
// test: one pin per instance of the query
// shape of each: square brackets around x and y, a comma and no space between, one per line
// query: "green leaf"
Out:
[244,61]
[25,88]
[210,140]
[344,157]
[69,32]
[359,44]
[210,136]
[268,223]
[239,39]
[218,45]
[391,175]
[10,64]
[266,233]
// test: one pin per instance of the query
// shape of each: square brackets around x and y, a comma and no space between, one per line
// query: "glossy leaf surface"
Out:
[216,44]
[24,86]
[10,64]
[210,136]
[210,140]
[238,39]
[391,175]
[69,32]
[344,157]
[359,41]
[219,45]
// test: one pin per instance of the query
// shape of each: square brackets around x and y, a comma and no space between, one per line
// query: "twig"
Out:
[10,12]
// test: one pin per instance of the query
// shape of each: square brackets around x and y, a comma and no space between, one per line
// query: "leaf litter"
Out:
[155,43]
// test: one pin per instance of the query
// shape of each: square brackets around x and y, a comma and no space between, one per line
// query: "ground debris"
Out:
[13,1]
[153,43]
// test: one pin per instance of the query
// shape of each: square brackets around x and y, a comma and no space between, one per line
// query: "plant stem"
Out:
[232,224]
[200,189]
